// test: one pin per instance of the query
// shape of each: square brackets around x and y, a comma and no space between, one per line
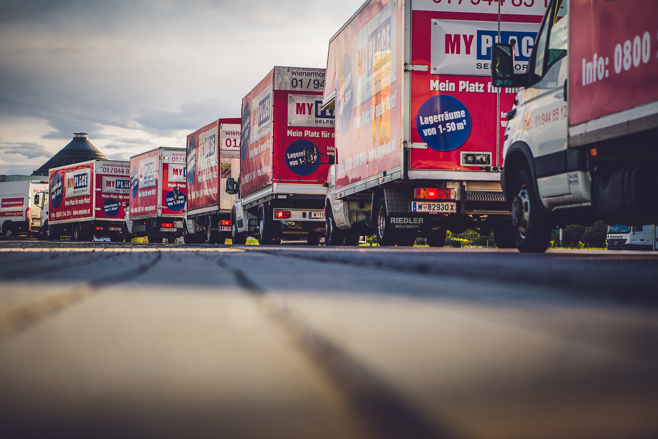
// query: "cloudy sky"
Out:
[138,74]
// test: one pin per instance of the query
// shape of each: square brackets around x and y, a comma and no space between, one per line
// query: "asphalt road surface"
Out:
[139,341]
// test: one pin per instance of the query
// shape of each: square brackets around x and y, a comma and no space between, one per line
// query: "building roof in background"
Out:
[80,149]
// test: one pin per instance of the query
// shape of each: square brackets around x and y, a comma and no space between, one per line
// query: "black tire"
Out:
[332,234]
[51,233]
[76,233]
[264,228]
[8,229]
[352,241]
[212,236]
[437,238]
[236,238]
[313,240]
[127,237]
[531,229]
[504,234]
[150,234]
[386,236]
[189,239]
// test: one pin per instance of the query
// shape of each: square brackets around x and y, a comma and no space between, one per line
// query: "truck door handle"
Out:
[564,95]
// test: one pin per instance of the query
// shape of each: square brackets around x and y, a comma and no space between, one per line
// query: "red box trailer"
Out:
[158,194]
[280,194]
[213,156]
[87,200]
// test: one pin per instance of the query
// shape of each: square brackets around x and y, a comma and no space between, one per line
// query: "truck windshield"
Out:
[557,45]
[619,229]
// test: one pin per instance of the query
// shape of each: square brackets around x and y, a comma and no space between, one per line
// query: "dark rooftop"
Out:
[80,149]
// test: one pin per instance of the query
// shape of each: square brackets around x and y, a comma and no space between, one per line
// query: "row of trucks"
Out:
[407,132]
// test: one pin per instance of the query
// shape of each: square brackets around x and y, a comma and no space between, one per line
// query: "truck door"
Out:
[545,118]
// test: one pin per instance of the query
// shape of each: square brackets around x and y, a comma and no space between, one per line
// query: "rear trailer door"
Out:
[454,111]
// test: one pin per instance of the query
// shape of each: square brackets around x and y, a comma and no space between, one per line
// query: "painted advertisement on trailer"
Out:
[453,103]
[174,182]
[144,184]
[202,167]
[71,191]
[299,123]
[256,137]
[364,70]
[613,67]
[113,179]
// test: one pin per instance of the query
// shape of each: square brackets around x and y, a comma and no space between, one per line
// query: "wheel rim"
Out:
[76,233]
[209,233]
[523,200]
[261,227]
[381,222]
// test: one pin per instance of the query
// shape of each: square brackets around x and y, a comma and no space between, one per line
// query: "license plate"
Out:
[224,228]
[167,229]
[433,207]
[178,224]
[114,229]
[313,215]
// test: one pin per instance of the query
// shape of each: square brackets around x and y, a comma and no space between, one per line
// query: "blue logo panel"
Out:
[134,182]
[175,200]
[296,157]
[245,131]
[444,123]
[191,160]
[111,207]
[56,191]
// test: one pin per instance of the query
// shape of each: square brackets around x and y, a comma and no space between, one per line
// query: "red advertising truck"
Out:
[581,140]
[87,200]
[213,156]
[280,194]
[417,119]
[158,194]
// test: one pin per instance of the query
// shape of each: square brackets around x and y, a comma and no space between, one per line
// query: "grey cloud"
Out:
[29,150]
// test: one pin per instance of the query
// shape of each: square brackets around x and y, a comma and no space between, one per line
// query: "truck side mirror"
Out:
[37,198]
[231,186]
[502,67]
[312,156]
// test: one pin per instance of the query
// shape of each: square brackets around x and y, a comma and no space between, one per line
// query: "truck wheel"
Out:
[532,232]
[9,229]
[437,238]
[385,233]
[352,241]
[332,234]
[51,233]
[264,233]
[236,238]
[186,236]
[212,236]
[150,234]
[504,234]
[76,235]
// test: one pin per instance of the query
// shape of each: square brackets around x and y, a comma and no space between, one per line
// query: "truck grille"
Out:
[485,202]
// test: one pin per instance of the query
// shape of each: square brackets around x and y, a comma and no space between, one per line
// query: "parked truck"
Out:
[20,207]
[280,195]
[581,139]
[157,194]
[417,119]
[213,156]
[86,200]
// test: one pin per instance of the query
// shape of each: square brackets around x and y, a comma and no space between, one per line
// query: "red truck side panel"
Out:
[613,57]
[204,148]
[89,190]
[144,184]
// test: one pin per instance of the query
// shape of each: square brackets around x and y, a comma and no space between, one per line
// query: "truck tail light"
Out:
[225,222]
[282,214]
[168,225]
[432,193]
[27,214]
[99,228]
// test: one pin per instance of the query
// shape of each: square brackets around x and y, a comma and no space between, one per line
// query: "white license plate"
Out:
[167,229]
[313,215]
[114,229]
[224,228]
[433,207]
